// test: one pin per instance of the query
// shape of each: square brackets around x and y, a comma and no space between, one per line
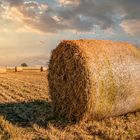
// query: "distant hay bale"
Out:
[10,69]
[94,79]
[43,69]
[31,69]
[18,69]
[3,70]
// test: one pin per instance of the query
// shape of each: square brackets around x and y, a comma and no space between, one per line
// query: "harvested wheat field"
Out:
[3,70]
[26,114]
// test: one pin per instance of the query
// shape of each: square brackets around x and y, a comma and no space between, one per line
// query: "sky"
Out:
[31,29]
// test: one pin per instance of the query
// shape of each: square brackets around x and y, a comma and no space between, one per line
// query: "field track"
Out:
[26,113]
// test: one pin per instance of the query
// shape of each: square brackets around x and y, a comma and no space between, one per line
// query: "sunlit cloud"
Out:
[131,27]
[78,15]
[69,2]
[26,23]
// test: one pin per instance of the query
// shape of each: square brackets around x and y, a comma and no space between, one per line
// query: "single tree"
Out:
[24,65]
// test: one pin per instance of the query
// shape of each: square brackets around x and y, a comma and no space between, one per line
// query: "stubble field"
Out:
[26,113]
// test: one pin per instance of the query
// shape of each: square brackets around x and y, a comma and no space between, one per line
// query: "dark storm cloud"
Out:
[1,8]
[101,12]
[131,20]
[91,13]
[79,15]
[131,7]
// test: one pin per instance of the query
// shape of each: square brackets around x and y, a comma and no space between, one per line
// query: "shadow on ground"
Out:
[26,114]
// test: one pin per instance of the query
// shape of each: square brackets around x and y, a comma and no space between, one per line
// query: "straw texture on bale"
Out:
[94,79]
[3,70]
[18,69]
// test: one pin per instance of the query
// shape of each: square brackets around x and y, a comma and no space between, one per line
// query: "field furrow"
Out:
[22,90]
[26,114]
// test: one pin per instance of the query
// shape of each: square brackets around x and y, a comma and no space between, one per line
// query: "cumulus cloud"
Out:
[88,14]
[78,15]
[131,20]
[131,27]
[69,2]
[34,15]
[1,9]
[130,7]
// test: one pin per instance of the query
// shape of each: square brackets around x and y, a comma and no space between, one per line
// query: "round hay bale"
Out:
[18,69]
[43,69]
[94,78]
[31,69]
